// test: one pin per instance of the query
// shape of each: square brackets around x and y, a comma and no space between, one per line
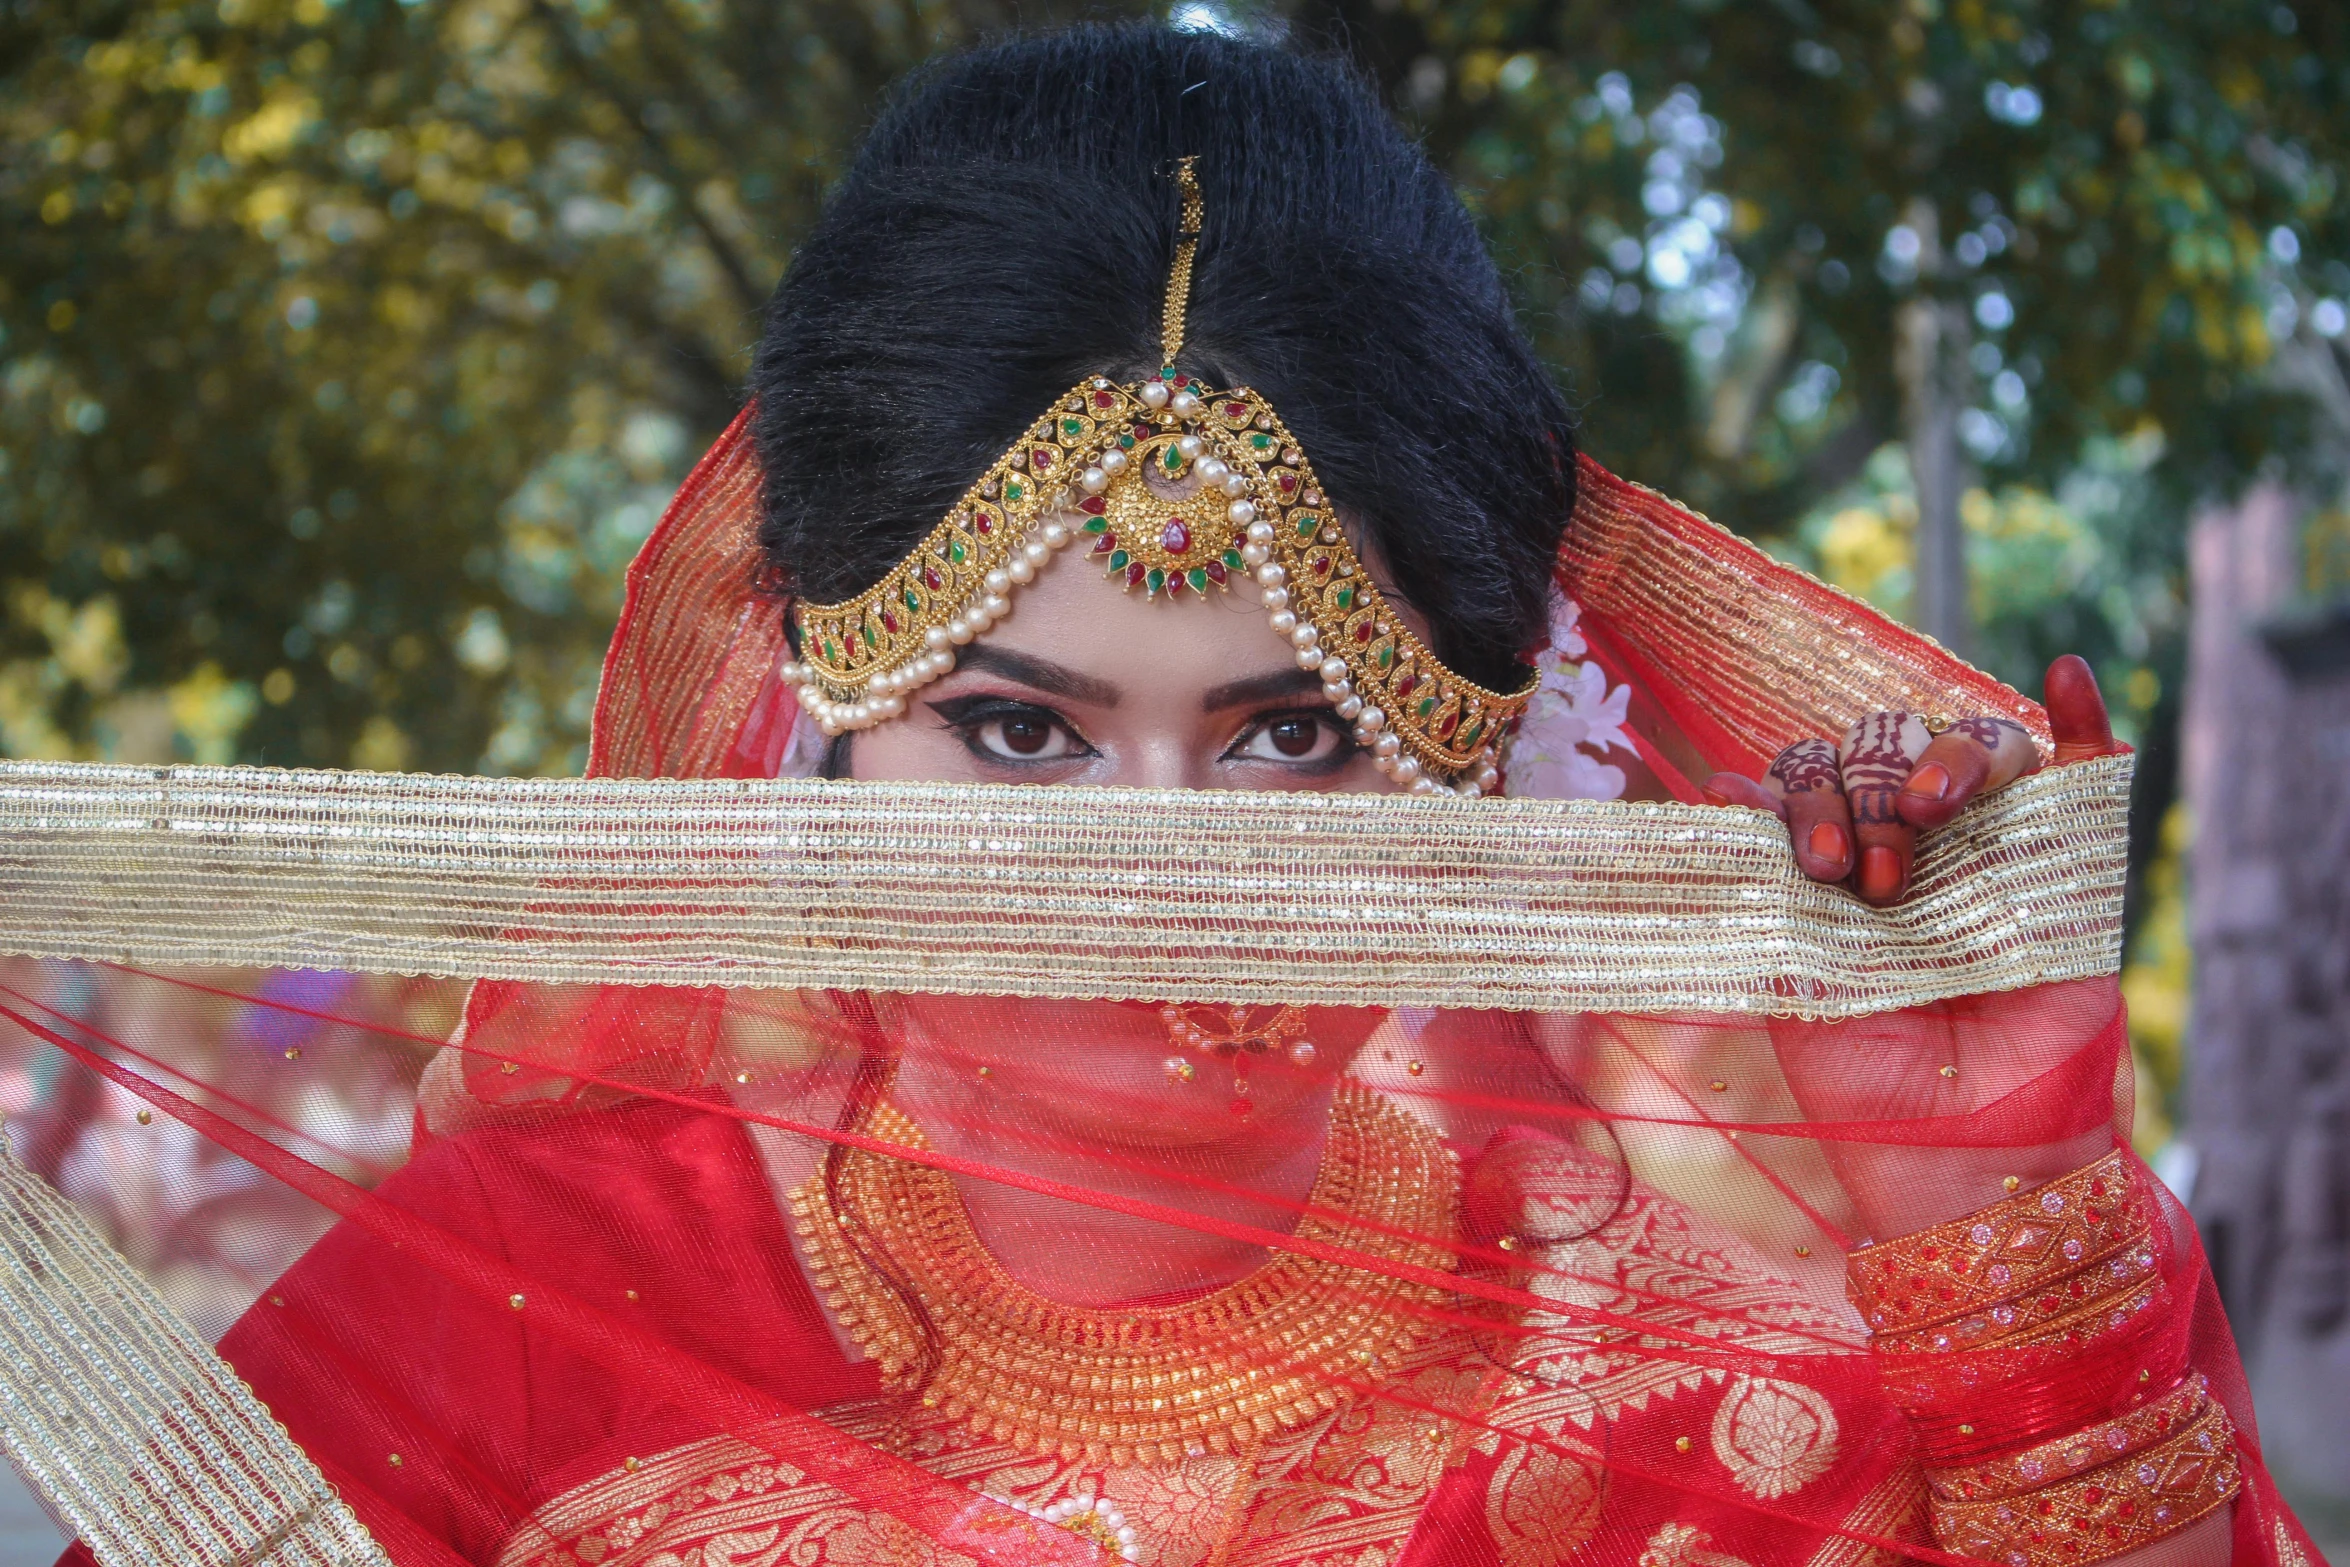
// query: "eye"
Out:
[1293,739]
[1029,736]
[1013,732]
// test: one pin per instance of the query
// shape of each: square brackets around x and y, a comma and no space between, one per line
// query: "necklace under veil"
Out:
[758,1207]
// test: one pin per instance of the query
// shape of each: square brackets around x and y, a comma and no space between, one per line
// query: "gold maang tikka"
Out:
[1175,489]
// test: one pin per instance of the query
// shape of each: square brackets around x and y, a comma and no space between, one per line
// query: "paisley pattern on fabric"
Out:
[1774,1437]
[1541,1504]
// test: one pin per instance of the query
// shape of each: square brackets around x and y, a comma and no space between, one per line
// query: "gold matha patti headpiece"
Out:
[1175,489]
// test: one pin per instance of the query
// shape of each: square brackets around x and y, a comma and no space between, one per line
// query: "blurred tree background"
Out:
[348,348]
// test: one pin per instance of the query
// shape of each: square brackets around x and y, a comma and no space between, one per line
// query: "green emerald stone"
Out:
[1173,459]
[1345,596]
[1157,579]
[1198,579]
[1386,657]
[870,639]
[1118,560]
[1126,441]
[1261,441]
[1307,522]
[912,602]
[955,549]
[1469,733]
[1233,562]
[1427,706]
[1013,490]
[1096,524]
[1072,426]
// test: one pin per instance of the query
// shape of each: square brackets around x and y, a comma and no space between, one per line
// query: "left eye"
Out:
[1291,738]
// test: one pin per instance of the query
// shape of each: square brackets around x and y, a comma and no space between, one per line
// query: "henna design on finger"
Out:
[1806,765]
[1875,765]
[1989,733]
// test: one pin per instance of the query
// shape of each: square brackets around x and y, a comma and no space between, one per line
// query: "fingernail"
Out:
[1880,872]
[1712,795]
[1930,782]
[1829,843]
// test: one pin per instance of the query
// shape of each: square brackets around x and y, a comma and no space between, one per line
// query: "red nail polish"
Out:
[1712,795]
[1930,782]
[1880,871]
[1829,843]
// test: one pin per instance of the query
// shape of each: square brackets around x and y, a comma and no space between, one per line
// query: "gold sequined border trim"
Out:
[132,1430]
[1080,892]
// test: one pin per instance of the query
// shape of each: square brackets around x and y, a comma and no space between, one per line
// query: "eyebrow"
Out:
[1041,674]
[1260,688]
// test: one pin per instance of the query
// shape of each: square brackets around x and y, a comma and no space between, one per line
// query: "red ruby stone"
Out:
[1288,482]
[983,524]
[1451,722]
[1321,565]
[1135,574]
[1363,632]
[889,622]
[1236,410]
[1215,571]
[930,577]
[1176,537]
[1106,543]
[1042,457]
[1404,687]
[1093,505]
[1104,400]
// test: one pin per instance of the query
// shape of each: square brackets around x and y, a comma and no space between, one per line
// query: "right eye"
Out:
[1017,733]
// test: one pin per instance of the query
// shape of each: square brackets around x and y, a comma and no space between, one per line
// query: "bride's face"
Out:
[1085,684]
[1088,684]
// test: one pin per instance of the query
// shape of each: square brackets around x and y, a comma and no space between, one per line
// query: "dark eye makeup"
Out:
[1309,739]
[1007,733]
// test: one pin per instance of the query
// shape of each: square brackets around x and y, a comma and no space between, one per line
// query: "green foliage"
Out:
[351,347]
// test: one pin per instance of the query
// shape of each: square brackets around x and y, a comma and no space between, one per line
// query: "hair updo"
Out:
[1006,231]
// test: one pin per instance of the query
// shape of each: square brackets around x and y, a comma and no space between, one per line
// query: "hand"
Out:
[1855,810]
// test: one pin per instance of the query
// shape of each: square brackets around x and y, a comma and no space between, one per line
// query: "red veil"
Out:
[785,1192]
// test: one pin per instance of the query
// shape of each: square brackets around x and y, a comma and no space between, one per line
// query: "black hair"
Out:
[1006,230]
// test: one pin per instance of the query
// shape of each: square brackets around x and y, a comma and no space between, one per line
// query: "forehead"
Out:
[1077,615]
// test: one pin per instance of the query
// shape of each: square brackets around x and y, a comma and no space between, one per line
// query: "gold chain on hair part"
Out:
[1195,211]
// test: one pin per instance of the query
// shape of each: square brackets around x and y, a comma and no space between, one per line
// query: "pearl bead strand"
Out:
[884,696]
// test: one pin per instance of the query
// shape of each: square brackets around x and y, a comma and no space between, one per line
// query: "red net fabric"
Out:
[569,1274]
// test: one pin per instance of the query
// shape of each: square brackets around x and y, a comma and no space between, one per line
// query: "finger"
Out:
[1973,756]
[1878,756]
[2077,719]
[1806,776]
[1738,789]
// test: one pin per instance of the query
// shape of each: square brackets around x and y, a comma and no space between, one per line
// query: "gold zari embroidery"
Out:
[1334,899]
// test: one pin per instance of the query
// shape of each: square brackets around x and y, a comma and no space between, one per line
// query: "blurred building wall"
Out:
[2266,740]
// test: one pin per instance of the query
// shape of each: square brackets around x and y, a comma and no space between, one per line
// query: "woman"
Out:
[861,1277]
